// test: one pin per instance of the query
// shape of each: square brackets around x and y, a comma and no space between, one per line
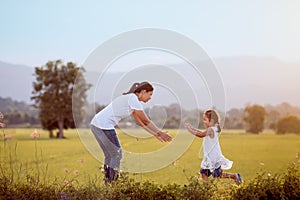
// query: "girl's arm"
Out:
[142,120]
[194,131]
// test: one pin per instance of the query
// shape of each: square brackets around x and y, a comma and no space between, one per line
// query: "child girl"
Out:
[213,161]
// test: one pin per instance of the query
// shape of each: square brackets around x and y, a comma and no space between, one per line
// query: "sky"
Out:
[34,32]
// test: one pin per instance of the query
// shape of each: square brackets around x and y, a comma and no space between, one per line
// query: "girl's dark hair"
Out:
[138,87]
[213,117]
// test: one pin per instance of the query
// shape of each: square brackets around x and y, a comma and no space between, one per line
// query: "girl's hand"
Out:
[163,136]
[188,125]
[190,128]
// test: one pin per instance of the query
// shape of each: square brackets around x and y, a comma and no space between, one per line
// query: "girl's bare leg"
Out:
[229,175]
[204,177]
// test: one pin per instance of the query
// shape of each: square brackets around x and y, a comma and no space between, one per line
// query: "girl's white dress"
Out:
[213,157]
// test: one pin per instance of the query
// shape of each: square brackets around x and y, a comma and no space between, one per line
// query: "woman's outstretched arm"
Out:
[142,120]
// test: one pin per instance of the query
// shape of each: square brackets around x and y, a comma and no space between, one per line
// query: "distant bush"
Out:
[289,124]
[254,117]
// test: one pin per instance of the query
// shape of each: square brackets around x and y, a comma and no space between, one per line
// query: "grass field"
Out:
[68,159]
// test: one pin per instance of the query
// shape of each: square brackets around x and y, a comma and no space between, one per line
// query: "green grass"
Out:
[50,158]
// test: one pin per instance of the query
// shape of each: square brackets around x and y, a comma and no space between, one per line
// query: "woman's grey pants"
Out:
[110,145]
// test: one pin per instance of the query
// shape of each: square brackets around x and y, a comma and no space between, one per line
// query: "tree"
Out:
[234,119]
[254,118]
[14,117]
[272,118]
[52,93]
[172,121]
[288,124]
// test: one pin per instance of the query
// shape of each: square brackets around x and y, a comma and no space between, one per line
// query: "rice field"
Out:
[69,159]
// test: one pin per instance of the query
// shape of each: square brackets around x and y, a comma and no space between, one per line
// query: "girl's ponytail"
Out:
[218,127]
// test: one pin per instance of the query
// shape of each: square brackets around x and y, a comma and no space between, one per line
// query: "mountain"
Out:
[261,80]
[16,81]
[246,80]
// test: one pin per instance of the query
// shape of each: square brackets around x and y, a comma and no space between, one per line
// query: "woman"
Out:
[103,125]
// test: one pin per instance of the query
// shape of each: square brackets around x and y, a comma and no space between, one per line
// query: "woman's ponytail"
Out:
[132,88]
[138,87]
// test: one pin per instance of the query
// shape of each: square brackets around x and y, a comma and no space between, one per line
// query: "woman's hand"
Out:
[2,125]
[163,136]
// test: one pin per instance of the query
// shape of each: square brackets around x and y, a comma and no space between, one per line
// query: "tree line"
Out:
[283,118]
[253,118]
[18,113]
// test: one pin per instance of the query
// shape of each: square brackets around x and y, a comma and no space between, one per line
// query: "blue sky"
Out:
[34,32]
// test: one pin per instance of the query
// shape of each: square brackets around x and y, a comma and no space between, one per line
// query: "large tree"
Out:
[53,91]
[254,117]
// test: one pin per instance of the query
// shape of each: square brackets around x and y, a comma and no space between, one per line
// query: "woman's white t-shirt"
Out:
[118,109]
[213,157]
